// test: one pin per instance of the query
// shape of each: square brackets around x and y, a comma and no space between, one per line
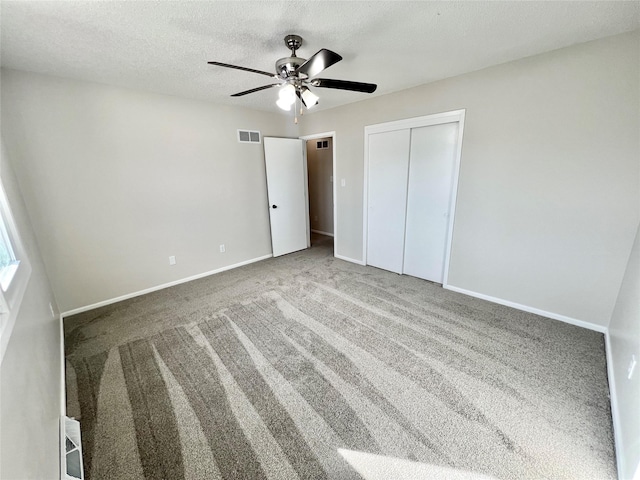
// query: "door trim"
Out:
[455,116]
[313,136]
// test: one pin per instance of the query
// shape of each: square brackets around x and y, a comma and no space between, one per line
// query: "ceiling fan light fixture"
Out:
[309,98]
[287,94]
[284,105]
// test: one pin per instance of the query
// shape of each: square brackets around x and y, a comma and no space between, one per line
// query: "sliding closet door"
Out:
[431,169]
[387,198]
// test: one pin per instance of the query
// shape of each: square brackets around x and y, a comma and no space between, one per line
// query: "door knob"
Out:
[274,206]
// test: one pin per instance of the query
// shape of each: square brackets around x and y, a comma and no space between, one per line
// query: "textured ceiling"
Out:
[164,46]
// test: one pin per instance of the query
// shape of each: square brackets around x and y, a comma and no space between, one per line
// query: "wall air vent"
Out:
[248,136]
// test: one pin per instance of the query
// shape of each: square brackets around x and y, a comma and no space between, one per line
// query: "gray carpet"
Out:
[310,367]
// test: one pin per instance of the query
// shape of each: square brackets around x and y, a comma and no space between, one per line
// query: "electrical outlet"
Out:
[53,312]
[172,260]
[632,366]
[222,250]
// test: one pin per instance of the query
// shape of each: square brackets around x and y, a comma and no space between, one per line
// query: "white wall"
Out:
[624,341]
[548,198]
[118,180]
[320,168]
[30,393]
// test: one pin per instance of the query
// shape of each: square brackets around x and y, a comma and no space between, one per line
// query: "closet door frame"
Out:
[456,116]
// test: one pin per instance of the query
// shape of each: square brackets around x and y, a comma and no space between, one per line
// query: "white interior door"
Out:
[387,198]
[286,188]
[431,170]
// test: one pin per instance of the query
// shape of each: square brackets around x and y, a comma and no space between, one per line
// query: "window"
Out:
[8,261]
[15,270]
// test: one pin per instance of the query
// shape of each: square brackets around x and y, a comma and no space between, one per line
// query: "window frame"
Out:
[15,276]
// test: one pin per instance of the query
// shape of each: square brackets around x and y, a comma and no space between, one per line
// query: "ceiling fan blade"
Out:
[272,75]
[322,59]
[344,85]
[264,87]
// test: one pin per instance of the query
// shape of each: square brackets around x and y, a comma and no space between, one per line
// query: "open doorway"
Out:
[320,176]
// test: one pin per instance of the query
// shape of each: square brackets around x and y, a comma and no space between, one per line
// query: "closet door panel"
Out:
[387,198]
[431,169]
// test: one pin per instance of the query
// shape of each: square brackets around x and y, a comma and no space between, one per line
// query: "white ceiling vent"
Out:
[248,136]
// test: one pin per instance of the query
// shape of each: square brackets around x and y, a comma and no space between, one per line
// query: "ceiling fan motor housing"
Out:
[288,65]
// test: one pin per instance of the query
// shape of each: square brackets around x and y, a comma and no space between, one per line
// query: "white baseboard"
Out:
[347,259]
[63,459]
[63,365]
[526,308]
[63,400]
[617,443]
[160,287]
[323,233]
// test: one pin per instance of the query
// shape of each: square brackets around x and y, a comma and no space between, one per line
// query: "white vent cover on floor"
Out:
[248,136]
[73,450]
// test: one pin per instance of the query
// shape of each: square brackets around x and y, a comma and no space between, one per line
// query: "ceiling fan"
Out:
[294,76]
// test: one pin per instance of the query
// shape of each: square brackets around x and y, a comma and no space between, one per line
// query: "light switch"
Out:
[343,182]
